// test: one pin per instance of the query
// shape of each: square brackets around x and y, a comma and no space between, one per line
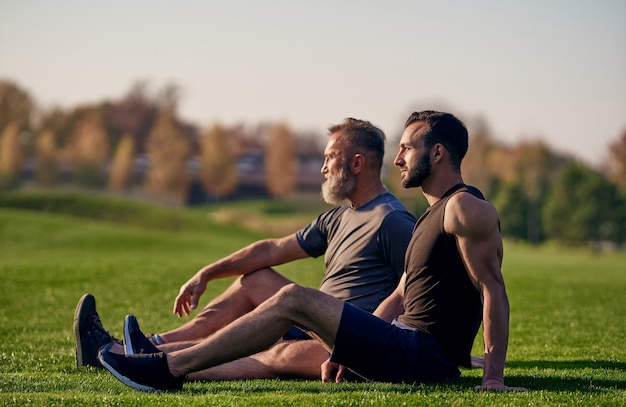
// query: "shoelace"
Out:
[97,328]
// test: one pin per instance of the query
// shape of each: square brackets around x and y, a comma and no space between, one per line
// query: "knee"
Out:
[262,278]
[261,284]
[288,290]
[292,295]
[255,278]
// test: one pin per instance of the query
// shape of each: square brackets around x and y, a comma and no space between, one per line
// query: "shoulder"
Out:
[388,203]
[323,222]
[468,215]
[331,214]
[393,212]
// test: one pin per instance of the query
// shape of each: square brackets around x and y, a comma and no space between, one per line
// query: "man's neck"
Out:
[433,189]
[365,194]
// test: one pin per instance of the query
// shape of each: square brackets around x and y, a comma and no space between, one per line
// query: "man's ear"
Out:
[357,164]
[437,152]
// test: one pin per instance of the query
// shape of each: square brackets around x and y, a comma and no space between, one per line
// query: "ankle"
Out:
[170,360]
[156,339]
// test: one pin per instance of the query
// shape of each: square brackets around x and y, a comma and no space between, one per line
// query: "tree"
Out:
[15,115]
[616,164]
[529,165]
[535,167]
[168,150]
[15,106]
[477,164]
[281,164]
[135,115]
[121,172]
[59,123]
[512,204]
[47,170]
[218,165]
[581,206]
[89,149]
[620,219]
[11,156]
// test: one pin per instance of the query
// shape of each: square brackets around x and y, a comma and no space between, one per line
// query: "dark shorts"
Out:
[296,334]
[380,351]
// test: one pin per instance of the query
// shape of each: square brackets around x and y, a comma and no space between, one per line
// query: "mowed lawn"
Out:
[568,312]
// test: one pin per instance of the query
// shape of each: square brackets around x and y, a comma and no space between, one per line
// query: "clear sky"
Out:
[550,69]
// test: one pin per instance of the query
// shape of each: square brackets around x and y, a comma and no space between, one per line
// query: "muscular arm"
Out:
[393,305]
[258,255]
[474,223]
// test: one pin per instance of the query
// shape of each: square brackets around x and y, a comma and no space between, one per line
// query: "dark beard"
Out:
[336,189]
[416,175]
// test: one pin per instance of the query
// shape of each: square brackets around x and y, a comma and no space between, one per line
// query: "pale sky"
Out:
[550,69]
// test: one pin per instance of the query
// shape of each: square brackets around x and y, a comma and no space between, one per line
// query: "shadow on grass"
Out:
[586,376]
[569,364]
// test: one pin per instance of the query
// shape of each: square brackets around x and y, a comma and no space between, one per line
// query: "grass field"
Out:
[568,320]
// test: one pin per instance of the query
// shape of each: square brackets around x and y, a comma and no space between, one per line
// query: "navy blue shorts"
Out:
[296,334]
[380,351]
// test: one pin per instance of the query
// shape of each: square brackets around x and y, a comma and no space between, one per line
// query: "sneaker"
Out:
[135,342]
[89,334]
[148,372]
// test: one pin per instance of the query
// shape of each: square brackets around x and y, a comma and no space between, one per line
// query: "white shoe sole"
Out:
[128,382]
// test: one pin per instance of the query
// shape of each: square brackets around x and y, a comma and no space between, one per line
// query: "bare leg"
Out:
[241,297]
[286,359]
[172,346]
[260,329]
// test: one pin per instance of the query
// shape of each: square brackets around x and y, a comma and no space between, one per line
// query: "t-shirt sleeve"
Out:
[394,235]
[313,238]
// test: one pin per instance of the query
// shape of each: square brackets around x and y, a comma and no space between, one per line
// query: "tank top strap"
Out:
[452,190]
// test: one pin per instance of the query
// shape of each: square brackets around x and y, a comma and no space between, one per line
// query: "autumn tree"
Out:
[89,149]
[47,169]
[477,166]
[11,156]
[281,162]
[218,164]
[58,122]
[15,106]
[135,114]
[168,150]
[121,170]
[15,114]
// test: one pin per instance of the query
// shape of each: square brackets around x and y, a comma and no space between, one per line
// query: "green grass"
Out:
[568,319]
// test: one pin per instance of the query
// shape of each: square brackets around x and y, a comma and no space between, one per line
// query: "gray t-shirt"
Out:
[363,249]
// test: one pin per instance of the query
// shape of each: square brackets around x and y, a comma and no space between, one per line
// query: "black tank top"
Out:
[439,297]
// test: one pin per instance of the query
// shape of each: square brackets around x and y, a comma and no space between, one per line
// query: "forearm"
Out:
[241,262]
[258,255]
[390,308]
[496,336]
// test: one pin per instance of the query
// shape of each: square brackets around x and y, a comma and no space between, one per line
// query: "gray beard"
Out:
[336,189]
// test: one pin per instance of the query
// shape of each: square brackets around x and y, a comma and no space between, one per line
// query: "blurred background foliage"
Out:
[138,146]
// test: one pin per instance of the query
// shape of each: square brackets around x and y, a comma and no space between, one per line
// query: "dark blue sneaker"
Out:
[135,342]
[148,372]
[89,334]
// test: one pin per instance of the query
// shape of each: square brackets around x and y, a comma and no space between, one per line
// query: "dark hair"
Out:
[361,134]
[446,129]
